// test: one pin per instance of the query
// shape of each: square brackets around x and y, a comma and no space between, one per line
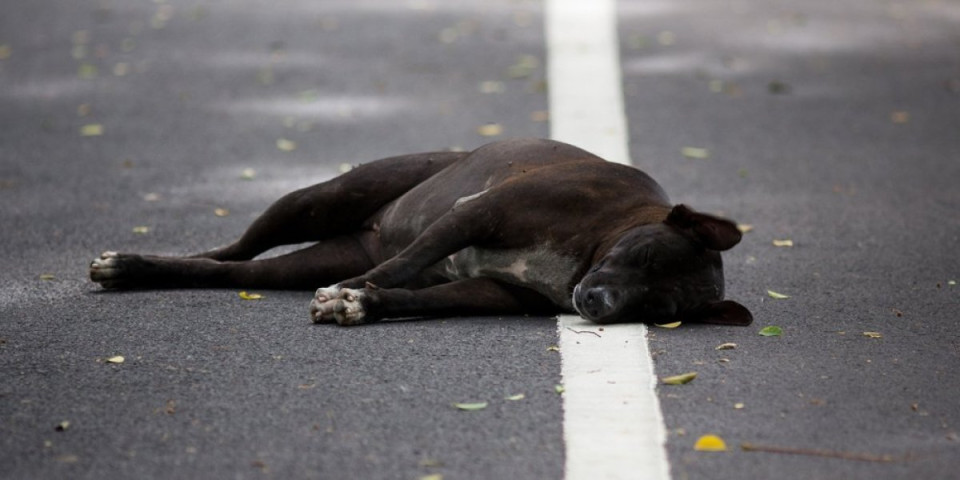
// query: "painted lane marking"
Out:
[613,427]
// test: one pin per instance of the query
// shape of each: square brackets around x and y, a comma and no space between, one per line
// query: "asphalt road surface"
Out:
[167,126]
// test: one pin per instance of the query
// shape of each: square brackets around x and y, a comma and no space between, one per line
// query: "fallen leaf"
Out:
[666,38]
[432,476]
[771,331]
[744,227]
[783,243]
[248,174]
[524,67]
[91,130]
[778,296]
[777,87]
[900,117]
[516,397]
[117,359]
[559,388]
[668,325]
[140,230]
[62,426]
[490,130]
[48,276]
[553,348]
[221,212]
[471,406]
[726,346]
[286,145]
[430,463]
[695,152]
[492,86]
[710,443]
[540,116]
[87,71]
[345,167]
[250,296]
[873,334]
[681,379]
[738,406]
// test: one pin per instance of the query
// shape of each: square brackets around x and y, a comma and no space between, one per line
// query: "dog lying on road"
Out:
[518,226]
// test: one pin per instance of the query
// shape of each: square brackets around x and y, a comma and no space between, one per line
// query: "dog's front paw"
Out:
[341,305]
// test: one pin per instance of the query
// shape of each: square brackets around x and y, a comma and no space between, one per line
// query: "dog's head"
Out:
[664,272]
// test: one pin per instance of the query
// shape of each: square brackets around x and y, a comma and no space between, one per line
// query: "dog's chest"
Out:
[539,269]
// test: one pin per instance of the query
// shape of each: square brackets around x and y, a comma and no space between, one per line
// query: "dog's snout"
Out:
[598,302]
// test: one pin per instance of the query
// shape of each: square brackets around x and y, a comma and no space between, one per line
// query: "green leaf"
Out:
[679,379]
[778,296]
[470,407]
[771,331]
[559,388]
[518,396]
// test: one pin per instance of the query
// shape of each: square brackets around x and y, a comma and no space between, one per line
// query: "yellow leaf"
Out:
[490,129]
[744,227]
[433,476]
[518,396]
[221,212]
[783,243]
[141,230]
[91,130]
[695,152]
[726,346]
[116,359]
[553,348]
[738,406]
[679,379]
[873,334]
[710,443]
[248,174]
[250,296]
[778,296]
[286,145]
[668,325]
[48,276]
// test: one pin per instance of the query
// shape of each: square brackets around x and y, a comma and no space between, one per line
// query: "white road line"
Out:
[612,423]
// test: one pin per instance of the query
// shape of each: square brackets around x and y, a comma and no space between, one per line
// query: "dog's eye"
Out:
[598,266]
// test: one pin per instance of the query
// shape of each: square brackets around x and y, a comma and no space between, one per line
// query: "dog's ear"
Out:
[711,232]
[726,312]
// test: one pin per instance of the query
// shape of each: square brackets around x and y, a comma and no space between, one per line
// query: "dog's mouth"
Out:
[573,300]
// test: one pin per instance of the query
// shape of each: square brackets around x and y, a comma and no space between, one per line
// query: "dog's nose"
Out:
[598,302]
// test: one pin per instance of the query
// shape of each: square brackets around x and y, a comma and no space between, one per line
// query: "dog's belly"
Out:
[539,269]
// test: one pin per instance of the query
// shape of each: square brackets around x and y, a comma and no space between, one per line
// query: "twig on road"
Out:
[584,331]
[862,457]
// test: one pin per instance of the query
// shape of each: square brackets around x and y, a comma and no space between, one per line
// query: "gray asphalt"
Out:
[834,125]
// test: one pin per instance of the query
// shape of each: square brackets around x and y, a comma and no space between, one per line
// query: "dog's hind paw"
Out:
[106,270]
[341,305]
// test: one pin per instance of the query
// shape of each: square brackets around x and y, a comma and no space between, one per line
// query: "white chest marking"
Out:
[539,269]
[462,200]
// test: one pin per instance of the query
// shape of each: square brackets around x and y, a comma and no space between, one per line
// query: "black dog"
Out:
[519,226]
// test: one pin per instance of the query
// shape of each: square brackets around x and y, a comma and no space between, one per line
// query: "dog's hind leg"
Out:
[321,264]
[336,207]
